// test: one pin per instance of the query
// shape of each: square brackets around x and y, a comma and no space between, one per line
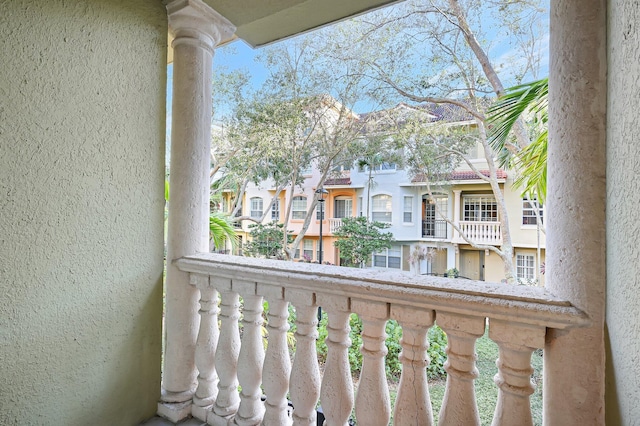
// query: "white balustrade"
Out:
[373,405]
[517,317]
[251,357]
[277,364]
[336,391]
[305,374]
[459,404]
[206,347]
[228,399]
[413,405]
[481,232]
[334,224]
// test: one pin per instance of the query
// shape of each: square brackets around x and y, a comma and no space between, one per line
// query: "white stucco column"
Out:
[197,29]
[456,212]
[574,360]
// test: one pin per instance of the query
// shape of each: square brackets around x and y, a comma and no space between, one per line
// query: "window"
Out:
[256,207]
[388,258]
[299,208]
[320,210]
[480,208]
[307,249]
[525,267]
[381,208]
[407,216]
[306,171]
[342,207]
[529,208]
[360,204]
[275,210]
[433,210]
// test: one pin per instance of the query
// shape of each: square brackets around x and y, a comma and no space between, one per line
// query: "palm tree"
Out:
[221,229]
[530,99]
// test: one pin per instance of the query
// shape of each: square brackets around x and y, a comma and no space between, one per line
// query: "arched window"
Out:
[256,208]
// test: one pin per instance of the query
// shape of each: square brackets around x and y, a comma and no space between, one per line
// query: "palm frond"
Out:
[502,116]
[221,230]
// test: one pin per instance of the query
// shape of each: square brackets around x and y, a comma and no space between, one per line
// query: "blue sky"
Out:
[240,56]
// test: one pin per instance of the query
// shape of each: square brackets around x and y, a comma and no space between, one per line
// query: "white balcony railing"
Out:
[334,224]
[481,232]
[232,355]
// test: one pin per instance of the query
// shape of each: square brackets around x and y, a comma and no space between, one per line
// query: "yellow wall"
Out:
[82,129]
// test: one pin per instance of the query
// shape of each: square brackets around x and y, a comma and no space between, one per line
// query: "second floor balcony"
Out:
[479,232]
[230,353]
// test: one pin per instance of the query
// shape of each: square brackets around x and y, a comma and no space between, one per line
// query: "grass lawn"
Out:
[486,390]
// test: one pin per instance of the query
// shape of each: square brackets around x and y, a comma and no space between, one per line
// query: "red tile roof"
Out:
[337,181]
[463,175]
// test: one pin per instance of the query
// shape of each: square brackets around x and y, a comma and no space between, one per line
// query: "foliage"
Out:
[393,366]
[221,230]
[358,239]
[529,101]
[266,241]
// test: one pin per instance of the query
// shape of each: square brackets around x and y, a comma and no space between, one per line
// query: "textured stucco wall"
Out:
[81,210]
[623,215]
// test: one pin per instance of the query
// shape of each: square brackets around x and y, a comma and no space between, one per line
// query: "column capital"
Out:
[193,19]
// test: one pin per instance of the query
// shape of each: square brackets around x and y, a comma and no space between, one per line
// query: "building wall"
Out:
[82,125]
[623,215]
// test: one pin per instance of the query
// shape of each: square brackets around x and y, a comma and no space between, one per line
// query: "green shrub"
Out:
[393,366]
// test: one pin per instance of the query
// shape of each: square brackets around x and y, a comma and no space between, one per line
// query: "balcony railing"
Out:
[481,232]
[518,319]
[334,224]
[434,229]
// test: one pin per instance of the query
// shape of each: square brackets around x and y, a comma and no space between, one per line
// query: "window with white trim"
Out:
[381,208]
[342,207]
[525,267]
[529,208]
[256,208]
[360,206]
[275,210]
[320,213]
[299,208]
[307,247]
[407,215]
[388,258]
[479,208]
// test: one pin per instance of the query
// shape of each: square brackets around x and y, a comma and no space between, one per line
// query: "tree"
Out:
[358,239]
[441,58]
[266,241]
[529,100]
[221,230]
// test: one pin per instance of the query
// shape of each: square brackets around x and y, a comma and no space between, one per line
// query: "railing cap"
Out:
[521,304]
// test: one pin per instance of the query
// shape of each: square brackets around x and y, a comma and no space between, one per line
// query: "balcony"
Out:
[334,224]
[480,232]
[518,319]
[434,229]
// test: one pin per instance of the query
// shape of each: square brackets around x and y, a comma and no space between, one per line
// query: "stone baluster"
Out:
[305,373]
[516,343]
[336,392]
[228,399]
[277,364]
[206,348]
[413,405]
[459,402]
[251,357]
[373,405]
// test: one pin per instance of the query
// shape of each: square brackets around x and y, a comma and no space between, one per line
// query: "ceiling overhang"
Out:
[260,22]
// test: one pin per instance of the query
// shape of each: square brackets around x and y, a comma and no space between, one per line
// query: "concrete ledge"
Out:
[174,411]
